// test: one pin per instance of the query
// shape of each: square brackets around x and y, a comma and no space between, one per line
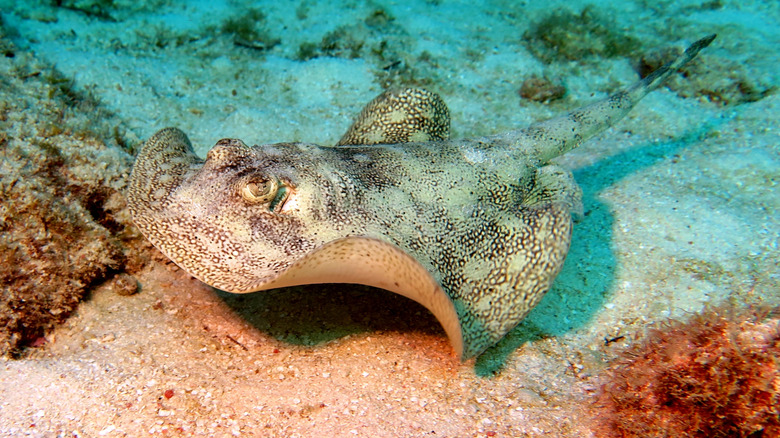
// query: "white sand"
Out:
[680,200]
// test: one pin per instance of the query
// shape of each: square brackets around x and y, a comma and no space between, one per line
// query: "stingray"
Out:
[475,230]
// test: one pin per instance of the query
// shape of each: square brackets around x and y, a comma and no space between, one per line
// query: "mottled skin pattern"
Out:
[474,229]
[400,116]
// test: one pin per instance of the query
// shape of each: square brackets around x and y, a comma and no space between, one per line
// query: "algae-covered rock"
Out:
[63,226]
[112,10]
[542,89]
[249,29]
[720,80]
[566,35]
[381,41]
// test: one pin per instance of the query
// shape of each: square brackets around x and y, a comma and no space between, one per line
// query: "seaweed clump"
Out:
[565,35]
[716,375]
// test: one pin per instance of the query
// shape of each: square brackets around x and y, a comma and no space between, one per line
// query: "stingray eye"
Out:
[260,191]
[266,190]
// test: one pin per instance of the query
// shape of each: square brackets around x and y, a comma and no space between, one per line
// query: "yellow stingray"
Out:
[475,230]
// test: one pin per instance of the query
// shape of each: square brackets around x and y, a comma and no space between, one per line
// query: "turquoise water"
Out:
[680,198]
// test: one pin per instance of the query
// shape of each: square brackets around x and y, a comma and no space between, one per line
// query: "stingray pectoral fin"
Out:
[513,276]
[400,116]
[554,185]
[160,168]
[373,262]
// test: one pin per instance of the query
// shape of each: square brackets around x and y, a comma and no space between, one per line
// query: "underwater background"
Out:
[663,322]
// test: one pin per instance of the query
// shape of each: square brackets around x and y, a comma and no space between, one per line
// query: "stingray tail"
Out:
[557,136]
[656,78]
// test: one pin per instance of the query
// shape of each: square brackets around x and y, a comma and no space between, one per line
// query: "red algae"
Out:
[715,375]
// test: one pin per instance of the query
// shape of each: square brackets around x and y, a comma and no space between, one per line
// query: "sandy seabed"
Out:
[680,201]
